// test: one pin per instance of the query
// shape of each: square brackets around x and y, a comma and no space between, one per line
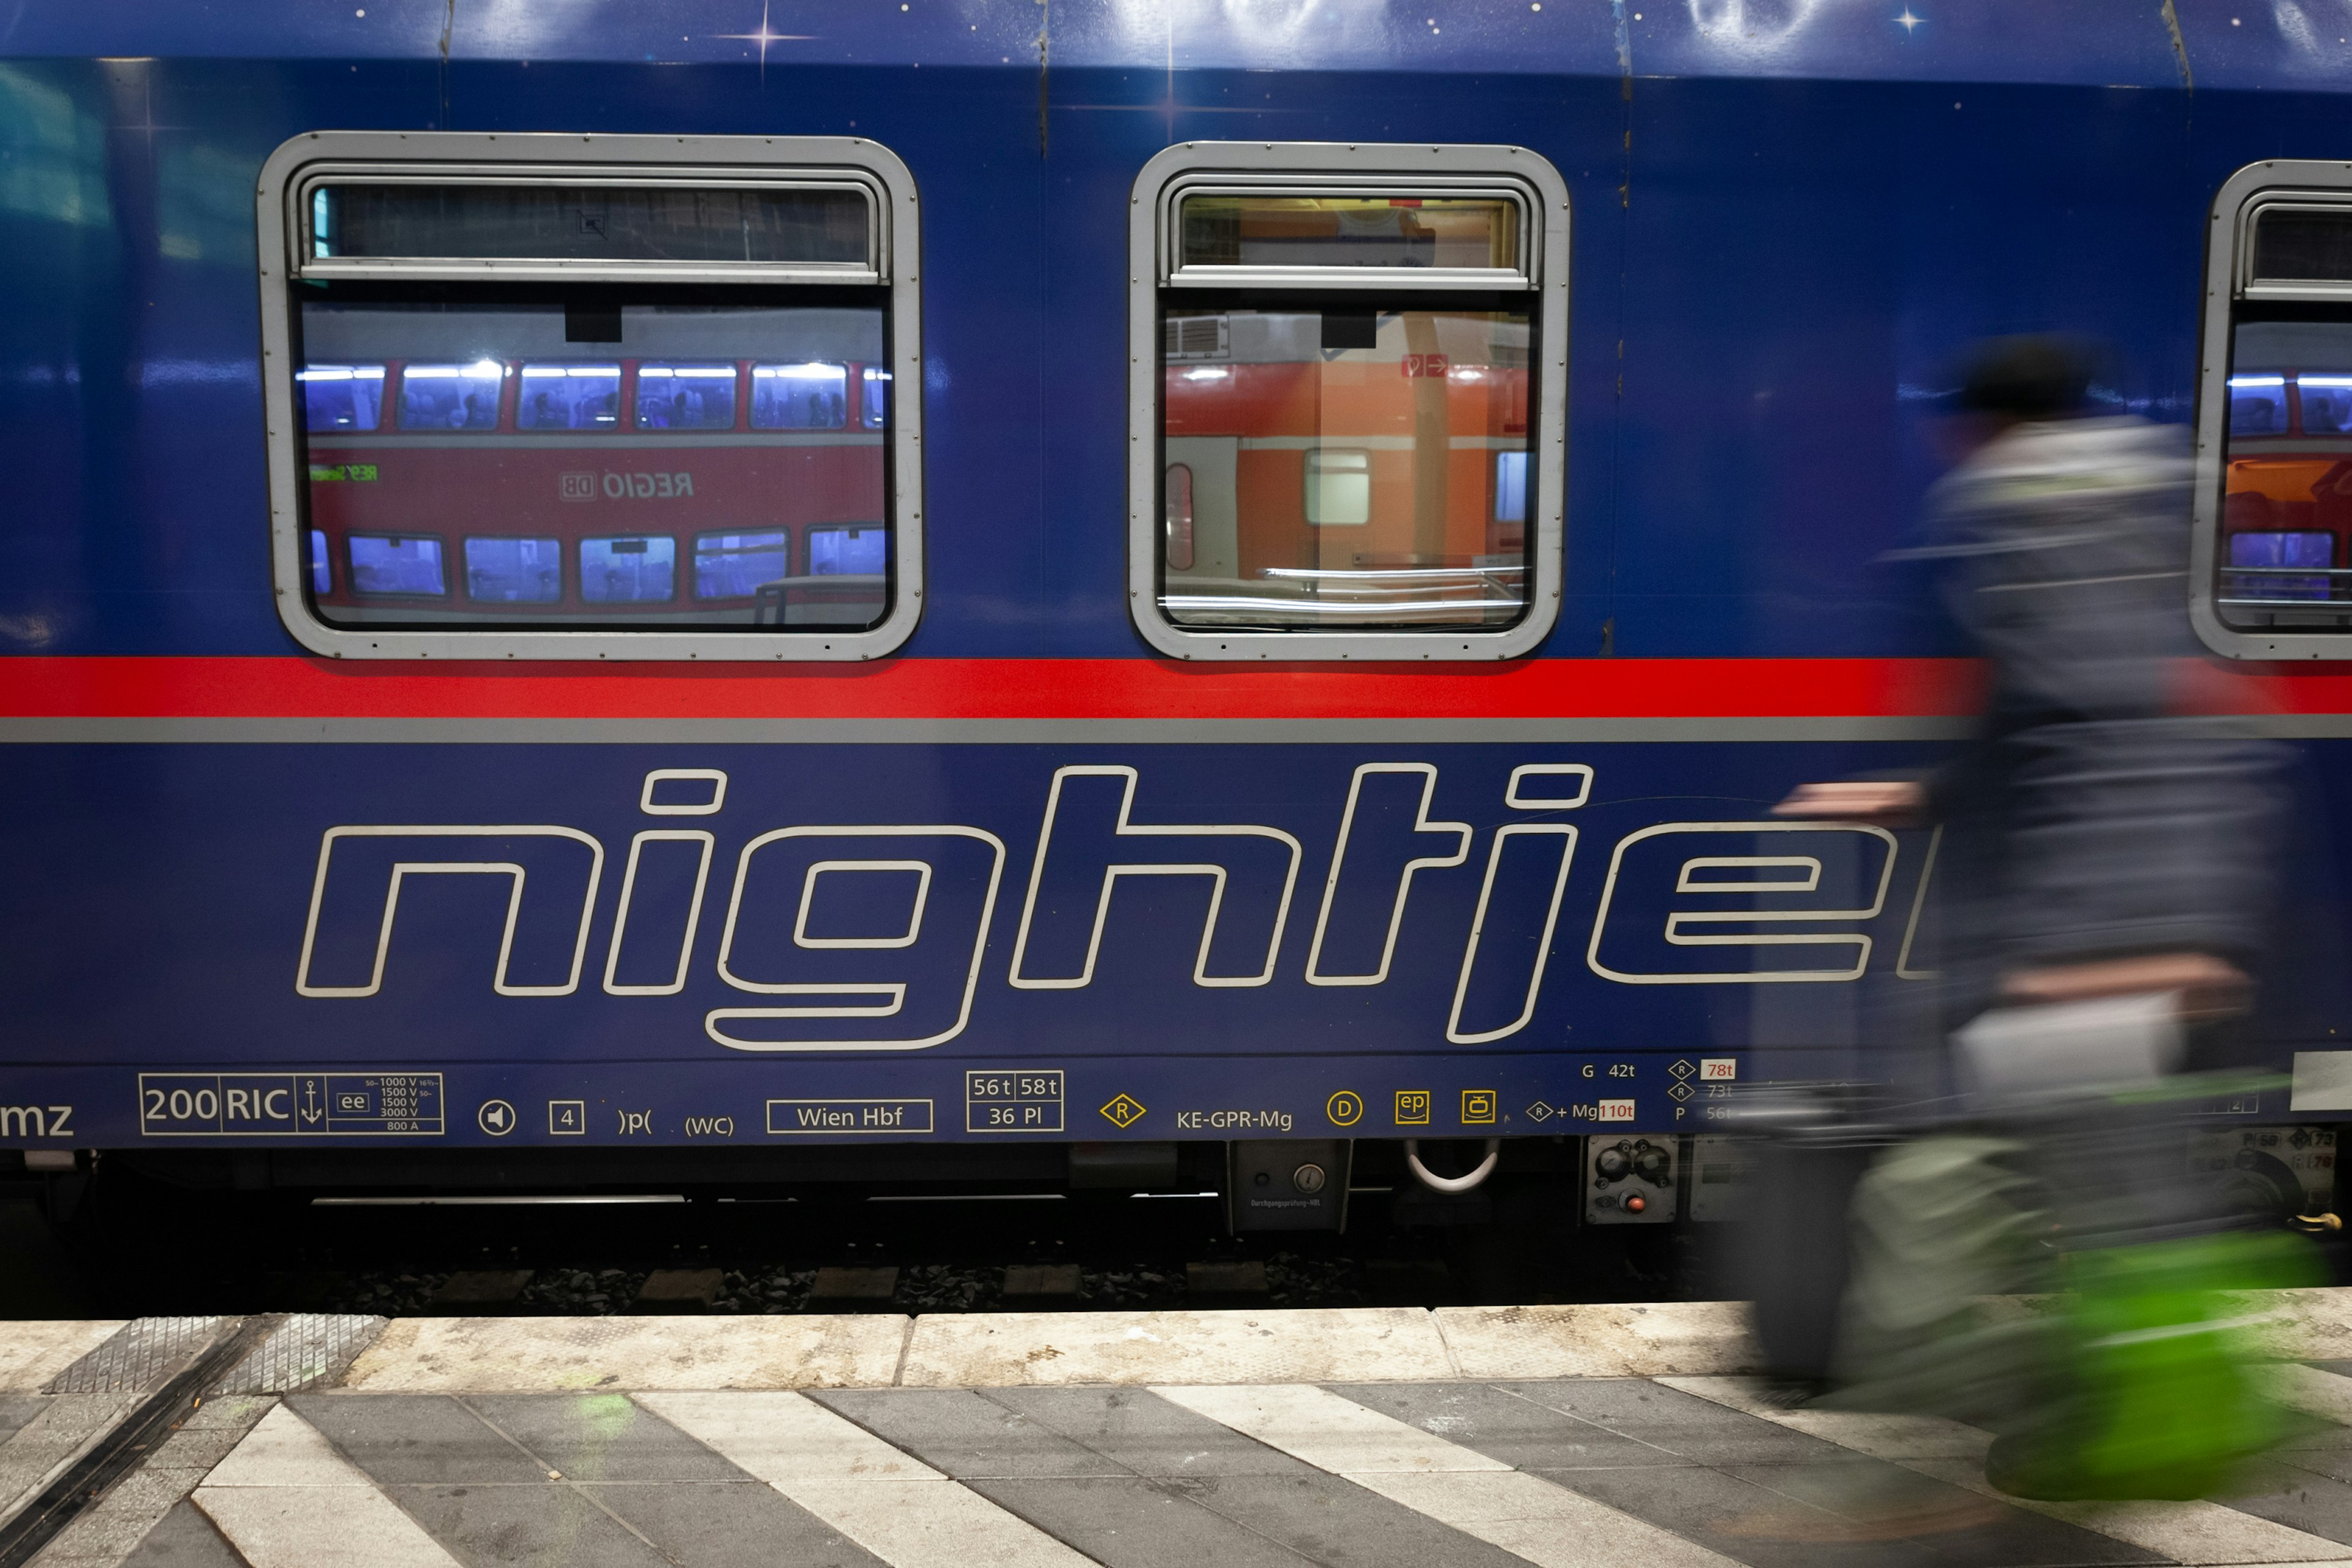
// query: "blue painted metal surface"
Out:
[1788,217]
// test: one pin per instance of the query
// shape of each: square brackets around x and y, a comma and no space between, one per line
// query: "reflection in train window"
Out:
[406,565]
[451,396]
[848,552]
[1510,487]
[1350,469]
[342,396]
[2326,404]
[2257,404]
[1179,491]
[569,397]
[2275,551]
[2286,503]
[734,565]
[799,397]
[1339,487]
[1224,230]
[877,398]
[686,397]
[514,570]
[353,218]
[628,571]
[322,576]
[677,469]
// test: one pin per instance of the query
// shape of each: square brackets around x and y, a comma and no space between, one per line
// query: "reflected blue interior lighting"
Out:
[812,397]
[450,397]
[848,551]
[342,396]
[636,569]
[2268,548]
[2252,415]
[514,570]
[686,397]
[322,576]
[733,565]
[403,565]
[569,397]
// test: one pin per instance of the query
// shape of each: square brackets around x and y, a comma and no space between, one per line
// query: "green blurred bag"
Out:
[2104,1371]
[2152,1393]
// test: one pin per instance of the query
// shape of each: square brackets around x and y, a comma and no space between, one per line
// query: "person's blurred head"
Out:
[2026,380]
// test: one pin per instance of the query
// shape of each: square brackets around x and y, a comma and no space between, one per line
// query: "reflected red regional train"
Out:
[560,480]
[1332,470]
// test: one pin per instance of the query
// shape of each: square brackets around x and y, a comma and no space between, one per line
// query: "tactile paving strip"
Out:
[140,1358]
[305,1349]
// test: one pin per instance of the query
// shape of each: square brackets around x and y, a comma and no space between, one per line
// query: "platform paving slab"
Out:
[552,1355]
[2190,1531]
[1086,1464]
[285,1498]
[1455,1487]
[185,1537]
[1607,1341]
[1601,1473]
[1332,1344]
[136,1506]
[87,1398]
[880,1497]
[34,1351]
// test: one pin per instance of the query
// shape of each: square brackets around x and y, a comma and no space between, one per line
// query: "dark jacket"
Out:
[2090,819]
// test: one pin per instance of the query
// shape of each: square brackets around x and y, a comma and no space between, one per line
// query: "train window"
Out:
[686,396]
[362,217]
[620,349]
[407,567]
[1347,386]
[1240,229]
[569,397]
[451,396]
[636,570]
[514,570]
[799,397]
[736,565]
[342,396]
[2270,576]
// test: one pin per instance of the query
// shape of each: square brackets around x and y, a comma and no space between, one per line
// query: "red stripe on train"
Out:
[1060,689]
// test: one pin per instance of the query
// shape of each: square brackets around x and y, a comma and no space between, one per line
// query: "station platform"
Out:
[1579,1437]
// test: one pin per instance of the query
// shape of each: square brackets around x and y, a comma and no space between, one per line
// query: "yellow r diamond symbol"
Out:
[1123,1112]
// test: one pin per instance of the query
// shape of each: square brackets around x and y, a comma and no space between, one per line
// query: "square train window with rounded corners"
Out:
[1353,371]
[548,385]
[2272,568]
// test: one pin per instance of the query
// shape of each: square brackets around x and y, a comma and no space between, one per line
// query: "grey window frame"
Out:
[281,217]
[1337,168]
[2244,197]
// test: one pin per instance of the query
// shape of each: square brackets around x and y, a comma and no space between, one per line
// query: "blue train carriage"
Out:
[963,592]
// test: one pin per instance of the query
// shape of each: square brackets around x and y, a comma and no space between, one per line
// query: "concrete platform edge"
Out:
[988,1350]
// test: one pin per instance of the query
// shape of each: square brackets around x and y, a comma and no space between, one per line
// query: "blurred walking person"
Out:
[2104,882]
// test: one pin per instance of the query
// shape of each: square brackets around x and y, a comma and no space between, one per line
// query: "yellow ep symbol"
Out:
[1343,1109]
[1412,1107]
